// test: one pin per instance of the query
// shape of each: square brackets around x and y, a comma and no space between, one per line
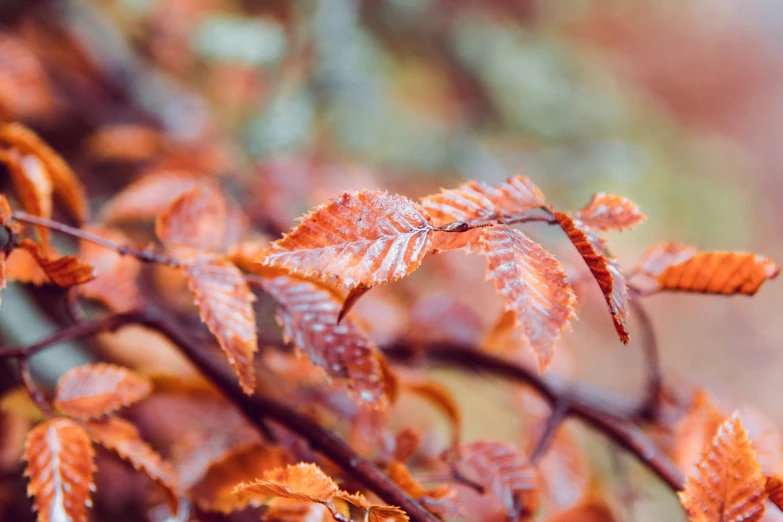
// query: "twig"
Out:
[649,408]
[35,393]
[555,420]
[535,215]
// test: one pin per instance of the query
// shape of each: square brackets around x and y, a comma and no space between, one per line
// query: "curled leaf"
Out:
[533,285]
[302,481]
[122,437]
[607,211]
[66,184]
[226,306]
[196,219]
[725,273]
[65,271]
[367,238]
[32,184]
[308,315]
[60,470]
[662,256]
[727,485]
[605,269]
[94,390]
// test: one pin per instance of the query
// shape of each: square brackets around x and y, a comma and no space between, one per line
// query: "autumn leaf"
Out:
[504,471]
[725,273]
[374,513]
[727,485]
[367,238]
[533,285]
[60,470]
[94,390]
[440,501]
[65,182]
[774,489]
[196,219]
[302,481]
[476,200]
[32,184]
[65,271]
[226,306]
[605,269]
[607,211]
[115,284]
[285,510]
[149,196]
[124,143]
[122,437]
[308,315]
[442,399]
[662,256]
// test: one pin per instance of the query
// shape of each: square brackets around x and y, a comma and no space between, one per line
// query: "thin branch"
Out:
[649,408]
[535,215]
[556,418]
[33,390]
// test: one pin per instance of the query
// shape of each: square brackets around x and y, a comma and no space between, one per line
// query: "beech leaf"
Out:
[727,485]
[122,437]
[297,482]
[115,283]
[725,273]
[308,315]
[65,271]
[226,306]
[149,196]
[367,238]
[32,184]
[662,256]
[476,200]
[64,180]
[196,219]
[94,390]
[504,471]
[533,285]
[605,269]
[60,470]
[607,211]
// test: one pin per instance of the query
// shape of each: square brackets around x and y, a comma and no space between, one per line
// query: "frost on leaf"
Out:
[308,314]
[115,283]
[533,285]
[64,180]
[65,271]
[302,481]
[504,471]
[662,256]
[476,200]
[149,196]
[605,269]
[364,238]
[607,211]
[33,186]
[727,485]
[60,470]
[725,273]
[94,390]
[225,303]
[196,219]
[122,437]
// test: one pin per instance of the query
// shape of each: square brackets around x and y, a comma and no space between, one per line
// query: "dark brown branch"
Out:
[648,410]
[614,423]
[553,423]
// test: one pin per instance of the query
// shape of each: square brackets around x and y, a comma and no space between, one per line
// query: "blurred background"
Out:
[673,104]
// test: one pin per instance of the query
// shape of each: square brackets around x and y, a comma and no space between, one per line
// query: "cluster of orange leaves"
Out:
[338,253]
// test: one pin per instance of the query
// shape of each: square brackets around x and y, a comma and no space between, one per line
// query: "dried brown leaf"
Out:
[607,211]
[605,269]
[774,489]
[533,285]
[351,299]
[149,196]
[367,238]
[64,271]
[302,481]
[725,273]
[664,255]
[33,186]
[226,306]
[64,180]
[385,514]
[115,284]
[504,471]
[124,143]
[476,200]
[94,390]
[60,470]
[727,484]
[308,315]
[196,219]
[122,437]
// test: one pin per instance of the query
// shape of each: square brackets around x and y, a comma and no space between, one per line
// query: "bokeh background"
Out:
[674,104]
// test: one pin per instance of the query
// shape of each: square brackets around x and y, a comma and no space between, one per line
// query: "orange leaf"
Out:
[308,315]
[66,183]
[477,200]
[504,471]
[605,270]
[150,196]
[60,469]
[214,492]
[442,399]
[94,390]
[196,219]
[32,184]
[385,514]
[726,273]
[122,437]
[401,476]
[588,511]
[727,484]
[65,271]
[696,429]
[21,266]
[226,306]
[438,501]
[297,482]
[115,282]
[124,143]
[662,256]
[365,238]
[533,285]
[351,299]
[607,211]
[774,489]
[285,510]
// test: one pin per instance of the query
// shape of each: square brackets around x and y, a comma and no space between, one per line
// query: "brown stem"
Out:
[534,215]
[556,418]
[649,408]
